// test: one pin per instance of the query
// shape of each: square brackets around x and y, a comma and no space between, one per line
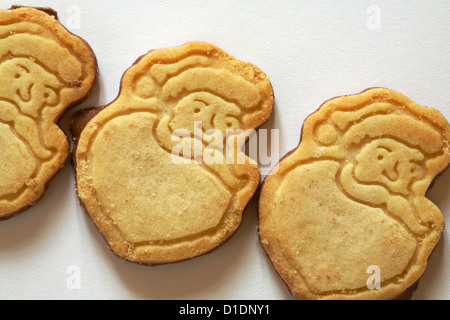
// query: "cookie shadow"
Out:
[200,278]
[93,100]
[440,190]
[431,283]
[32,227]
[267,143]
[434,274]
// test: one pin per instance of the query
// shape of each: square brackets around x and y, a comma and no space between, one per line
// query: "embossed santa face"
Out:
[212,111]
[390,163]
[28,84]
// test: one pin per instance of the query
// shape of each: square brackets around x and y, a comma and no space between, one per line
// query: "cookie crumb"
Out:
[76,83]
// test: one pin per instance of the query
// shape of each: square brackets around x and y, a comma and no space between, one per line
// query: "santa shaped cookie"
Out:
[344,216]
[44,70]
[160,170]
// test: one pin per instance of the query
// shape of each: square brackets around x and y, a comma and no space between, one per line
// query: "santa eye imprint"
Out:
[199,105]
[337,207]
[50,96]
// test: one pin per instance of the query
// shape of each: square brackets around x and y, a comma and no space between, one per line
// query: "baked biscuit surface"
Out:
[44,70]
[350,200]
[152,202]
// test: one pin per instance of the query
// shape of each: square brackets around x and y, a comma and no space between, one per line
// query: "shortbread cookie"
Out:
[44,70]
[153,199]
[344,216]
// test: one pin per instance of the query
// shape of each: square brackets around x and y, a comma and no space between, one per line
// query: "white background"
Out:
[312,50]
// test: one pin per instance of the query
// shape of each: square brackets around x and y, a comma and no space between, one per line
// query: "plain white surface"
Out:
[313,50]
